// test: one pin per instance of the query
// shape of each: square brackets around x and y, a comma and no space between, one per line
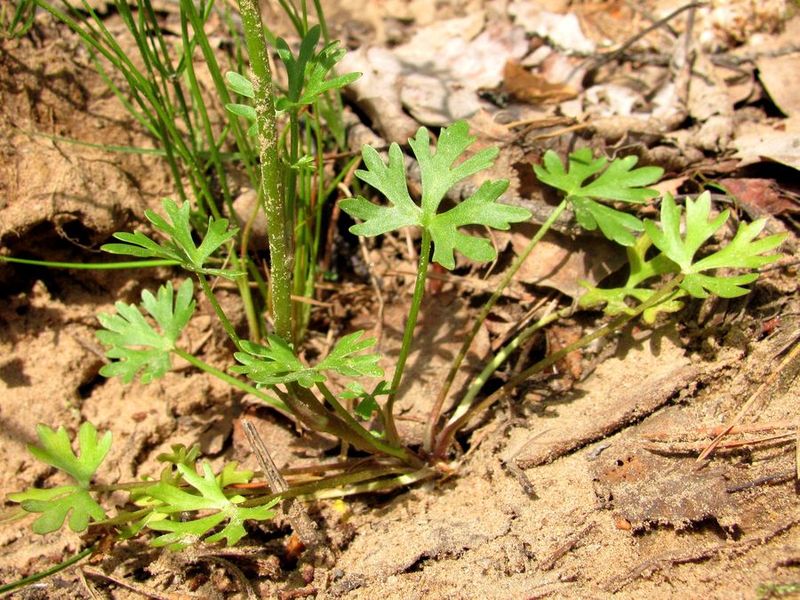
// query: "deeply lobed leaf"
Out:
[135,345]
[276,362]
[742,252]
[439,172]
[180,245]
[205,493]
[589,180]
[308,72]
[56,504]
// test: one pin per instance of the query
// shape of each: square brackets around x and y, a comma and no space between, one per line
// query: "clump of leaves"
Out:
[55,504]
[678,256]
[277,362]
[308,76]
[206,494]
[171,503]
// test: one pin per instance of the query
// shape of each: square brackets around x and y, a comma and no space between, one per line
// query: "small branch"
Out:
[302,524]
[569,544]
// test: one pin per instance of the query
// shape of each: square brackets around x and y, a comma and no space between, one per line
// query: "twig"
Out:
[793,353]
[568,545]
[302,524]
[716,430]
[766,480]
[651,566]
[596,62]
[690,447]
[244,583]
[137,588]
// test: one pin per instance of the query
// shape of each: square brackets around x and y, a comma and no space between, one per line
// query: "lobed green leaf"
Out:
[439,172]
[205,493]
[276,362]
[56,504]
[742,252]
[137,347]
[589,180]
[180,245]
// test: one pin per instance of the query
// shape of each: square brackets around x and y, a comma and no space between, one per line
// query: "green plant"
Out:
[187,506]
[138,347]
[160,90]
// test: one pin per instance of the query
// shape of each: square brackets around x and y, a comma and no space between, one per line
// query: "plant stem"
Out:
[130,264]
[230,379]
[15,585]
[223,318]
[379,445]
[359,482]
[277,227]
[445,438]
[436,411]
[501,356]
[408,333]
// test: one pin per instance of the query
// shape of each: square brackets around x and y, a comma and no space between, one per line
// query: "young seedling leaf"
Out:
[206,494]
[589,180]
[742,252]
[345,358]
[180,245]
[308,72]
[367,403]
[615,224]
[134,344]
[239,84]
[242,110]
[57,503]
[276,362]
[438,175]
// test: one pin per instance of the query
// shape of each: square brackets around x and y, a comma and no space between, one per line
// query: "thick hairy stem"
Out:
[277,227]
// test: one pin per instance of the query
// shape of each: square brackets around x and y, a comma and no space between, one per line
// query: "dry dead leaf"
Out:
[779,75]
[774,141]
[561,262]
[435,76]
[532,88]
[763,194]
[563,31]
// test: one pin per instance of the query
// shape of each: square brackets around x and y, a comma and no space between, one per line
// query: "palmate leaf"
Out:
[590,179]
[742,252]
[56,504]
[180,245]
[438,175]
[134,344]
[206,494]
[276,362]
